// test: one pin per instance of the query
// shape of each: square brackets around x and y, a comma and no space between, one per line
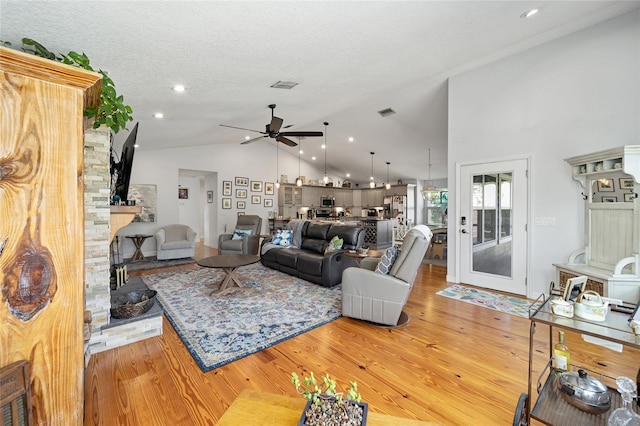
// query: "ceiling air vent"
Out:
[284,85]
[386,112]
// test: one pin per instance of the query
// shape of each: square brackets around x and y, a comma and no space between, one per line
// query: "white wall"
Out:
[572,96]
[162,168]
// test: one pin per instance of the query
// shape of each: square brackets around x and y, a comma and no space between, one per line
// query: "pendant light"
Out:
[429,185]
[326,178]
[372,184]
[388,184]
[277,168]
[299,180]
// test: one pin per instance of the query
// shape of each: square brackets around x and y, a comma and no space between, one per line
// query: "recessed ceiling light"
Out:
[529,13]
[313,158]
[246,138]
[301,152]
[350,139]
[135,145]
[179,88]
[158,115]
[323,146]
[348,174]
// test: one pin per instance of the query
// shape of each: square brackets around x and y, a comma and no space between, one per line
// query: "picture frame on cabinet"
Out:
[626,183]
[226,203]
[256,186]
[256,199]
[269,188]
[629,197]
[241,205]
[241,193]
[242,181]
[226,188]
[268,202]
[240,213]
[605,185]
[610,199]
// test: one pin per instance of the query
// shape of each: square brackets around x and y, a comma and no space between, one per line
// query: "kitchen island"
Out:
[378,233]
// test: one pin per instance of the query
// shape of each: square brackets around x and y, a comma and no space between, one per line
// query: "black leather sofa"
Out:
[310,262]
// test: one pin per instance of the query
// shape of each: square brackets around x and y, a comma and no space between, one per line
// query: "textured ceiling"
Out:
[350,59]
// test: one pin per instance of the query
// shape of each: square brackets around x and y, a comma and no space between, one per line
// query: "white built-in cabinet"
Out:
[611,257]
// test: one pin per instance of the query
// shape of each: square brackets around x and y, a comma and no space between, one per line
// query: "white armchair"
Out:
[175,242]
[380,298]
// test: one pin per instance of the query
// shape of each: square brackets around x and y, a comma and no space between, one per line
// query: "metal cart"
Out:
[550,408]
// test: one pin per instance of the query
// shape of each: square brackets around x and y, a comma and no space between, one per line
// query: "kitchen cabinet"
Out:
[311,196]
[550,407]
[611,256]
[395,190]
[289,195]
[372,197]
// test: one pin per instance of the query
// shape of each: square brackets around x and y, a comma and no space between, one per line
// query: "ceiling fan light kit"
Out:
[272,130]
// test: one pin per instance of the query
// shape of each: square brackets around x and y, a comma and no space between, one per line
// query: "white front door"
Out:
[493,225]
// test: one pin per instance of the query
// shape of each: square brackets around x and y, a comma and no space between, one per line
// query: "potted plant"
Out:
[112,111]
[328,407]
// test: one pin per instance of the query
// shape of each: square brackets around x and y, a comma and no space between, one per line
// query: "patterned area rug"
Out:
[498,302]
[218,329]
[151,263]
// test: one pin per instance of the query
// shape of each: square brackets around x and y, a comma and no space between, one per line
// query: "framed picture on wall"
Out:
[268,202]
[255,199]
[605,185]
[241,205]
[183,193]
[226,188]
[242,181]
[209,196]
[268,188]
[241,193]
[226,203]
[256,186]
[626,183]
[611,199]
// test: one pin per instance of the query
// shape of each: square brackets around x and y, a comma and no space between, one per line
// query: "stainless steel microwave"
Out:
[327,202]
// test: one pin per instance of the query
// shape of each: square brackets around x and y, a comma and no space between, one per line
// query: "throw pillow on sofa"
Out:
[238,234]
[283,237]
[386,261]
[334,245]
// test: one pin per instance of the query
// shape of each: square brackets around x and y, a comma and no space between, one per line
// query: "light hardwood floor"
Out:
[454,363]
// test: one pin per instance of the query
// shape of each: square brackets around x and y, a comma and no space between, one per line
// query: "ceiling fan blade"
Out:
[276,123]
[241,128]
[302,133]
[285,141]
[252,140]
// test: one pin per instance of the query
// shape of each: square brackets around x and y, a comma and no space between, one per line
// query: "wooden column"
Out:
[42,230]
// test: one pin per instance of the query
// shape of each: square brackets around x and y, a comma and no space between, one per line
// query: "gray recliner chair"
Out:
[380,298]
[175,242]
[247,244]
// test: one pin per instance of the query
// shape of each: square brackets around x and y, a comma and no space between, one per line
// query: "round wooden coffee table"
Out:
[228,263]
[358,257]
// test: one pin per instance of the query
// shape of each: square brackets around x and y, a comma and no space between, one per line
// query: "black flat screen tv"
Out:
[121,171]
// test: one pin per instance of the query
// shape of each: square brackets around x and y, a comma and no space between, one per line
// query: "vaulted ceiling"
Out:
[349,58]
